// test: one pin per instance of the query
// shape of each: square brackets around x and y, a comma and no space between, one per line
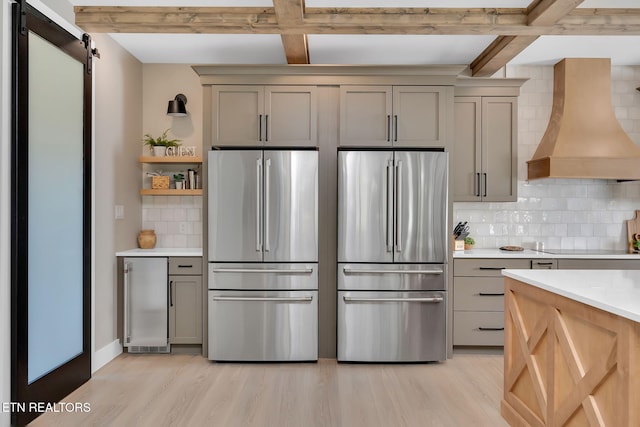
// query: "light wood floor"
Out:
[182,390]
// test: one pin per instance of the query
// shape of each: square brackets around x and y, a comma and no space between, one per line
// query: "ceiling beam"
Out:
[288,13]
[251,20]
[540,13]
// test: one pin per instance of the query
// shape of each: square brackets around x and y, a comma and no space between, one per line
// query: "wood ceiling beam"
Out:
[540,13]
[290,13]
[251,20]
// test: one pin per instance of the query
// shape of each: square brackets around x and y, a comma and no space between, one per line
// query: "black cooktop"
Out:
[584,251]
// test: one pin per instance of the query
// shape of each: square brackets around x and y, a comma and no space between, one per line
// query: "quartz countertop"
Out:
[613,291]
[527,253]
[161,252]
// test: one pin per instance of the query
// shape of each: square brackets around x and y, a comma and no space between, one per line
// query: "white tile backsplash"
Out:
[177,220]
[562,213]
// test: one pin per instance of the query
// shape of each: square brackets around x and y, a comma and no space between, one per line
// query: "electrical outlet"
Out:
[183,228]
[119,212]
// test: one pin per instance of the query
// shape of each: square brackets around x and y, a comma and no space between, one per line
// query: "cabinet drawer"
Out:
[491,267]
[185,265]
[478,294]
[478,328]
[544,264]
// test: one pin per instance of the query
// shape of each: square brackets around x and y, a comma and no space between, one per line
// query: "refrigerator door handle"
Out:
[127,332]
[258,191]
[264,270]
[363,271]
[265,299]
[399,206]
[267,201]
[428,299]
[389,206]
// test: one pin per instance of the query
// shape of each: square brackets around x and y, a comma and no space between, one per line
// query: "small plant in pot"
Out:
[159,145]
[179,181]
[468,243]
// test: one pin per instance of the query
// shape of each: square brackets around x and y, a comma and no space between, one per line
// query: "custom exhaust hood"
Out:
[584,139]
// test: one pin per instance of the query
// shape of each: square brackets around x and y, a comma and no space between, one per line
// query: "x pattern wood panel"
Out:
[563,367]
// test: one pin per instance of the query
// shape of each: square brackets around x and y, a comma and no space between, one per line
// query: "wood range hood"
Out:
[584,139]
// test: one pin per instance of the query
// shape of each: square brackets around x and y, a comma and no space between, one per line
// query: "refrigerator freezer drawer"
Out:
[392,326]
[263,326]
[392,277]
[250,276]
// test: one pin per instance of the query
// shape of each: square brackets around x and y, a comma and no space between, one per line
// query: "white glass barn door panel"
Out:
[55,209]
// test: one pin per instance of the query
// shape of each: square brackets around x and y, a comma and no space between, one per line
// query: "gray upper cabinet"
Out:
[411,116]
[485,149]
[255,115]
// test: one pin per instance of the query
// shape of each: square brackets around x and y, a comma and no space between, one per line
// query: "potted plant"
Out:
[179,181]
[159,145]
[468,243]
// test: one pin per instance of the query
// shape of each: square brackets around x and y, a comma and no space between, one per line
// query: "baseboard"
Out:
[106,354]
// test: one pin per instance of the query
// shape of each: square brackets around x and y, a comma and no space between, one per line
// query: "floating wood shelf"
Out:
[170,192]
[170,159]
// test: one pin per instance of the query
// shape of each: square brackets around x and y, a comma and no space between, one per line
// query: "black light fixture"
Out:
[177,107]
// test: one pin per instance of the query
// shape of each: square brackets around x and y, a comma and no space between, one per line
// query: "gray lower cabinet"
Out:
[185,300]
[478,300]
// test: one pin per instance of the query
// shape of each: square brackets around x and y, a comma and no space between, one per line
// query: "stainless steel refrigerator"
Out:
[392,256]
[263,254]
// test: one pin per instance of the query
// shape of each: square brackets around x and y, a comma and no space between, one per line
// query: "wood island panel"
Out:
[567,363]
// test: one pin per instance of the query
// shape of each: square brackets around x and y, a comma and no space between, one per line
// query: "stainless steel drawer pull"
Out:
[267,299]
[480,328]
[492,268]
[358,271]
[427,299]
[185,266]
[543,263]
[256,270]
[488,294]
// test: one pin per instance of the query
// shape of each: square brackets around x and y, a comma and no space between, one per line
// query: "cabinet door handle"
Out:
[478,184]
[493,268]
[543,263]
[480,328]
[185,266]
[388,127]
[489,294]
[260,127]
[395,128]
[266,128]
[485,184]
[171,293]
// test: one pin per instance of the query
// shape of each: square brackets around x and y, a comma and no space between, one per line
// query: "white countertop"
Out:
[160,252]
[614,291]
[527,253]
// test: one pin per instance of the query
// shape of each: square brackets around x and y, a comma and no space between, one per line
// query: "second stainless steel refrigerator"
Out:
[392,255]
[263,253]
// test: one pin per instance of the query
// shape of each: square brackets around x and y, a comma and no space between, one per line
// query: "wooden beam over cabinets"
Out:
[443,21]
[540,13]
[291,13]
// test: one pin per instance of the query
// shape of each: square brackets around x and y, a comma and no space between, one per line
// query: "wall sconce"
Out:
[177,107]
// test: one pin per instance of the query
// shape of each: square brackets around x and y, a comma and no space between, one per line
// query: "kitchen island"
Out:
[572,348]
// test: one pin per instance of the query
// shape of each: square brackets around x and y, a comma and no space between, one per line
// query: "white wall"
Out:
[561,213]
[118,129]
[5,211]
[177,221]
